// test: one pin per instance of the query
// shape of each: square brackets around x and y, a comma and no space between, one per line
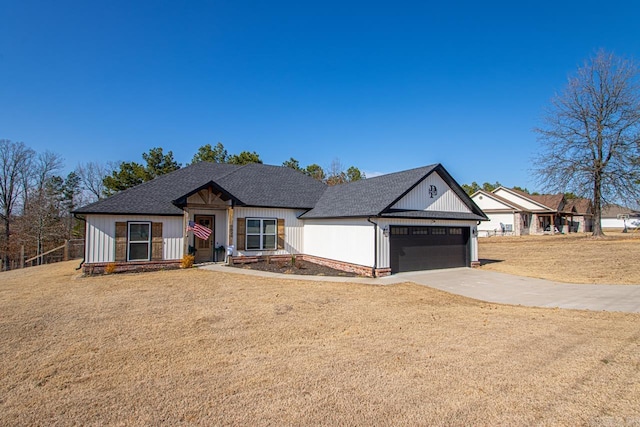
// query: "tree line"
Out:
[36,201]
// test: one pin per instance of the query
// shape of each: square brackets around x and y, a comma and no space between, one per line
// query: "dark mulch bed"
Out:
[300,267]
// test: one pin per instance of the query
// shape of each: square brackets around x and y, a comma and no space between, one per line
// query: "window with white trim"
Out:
[261,234]
[138,241]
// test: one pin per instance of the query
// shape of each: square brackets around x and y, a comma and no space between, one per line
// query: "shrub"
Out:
[110,268]
[187,261]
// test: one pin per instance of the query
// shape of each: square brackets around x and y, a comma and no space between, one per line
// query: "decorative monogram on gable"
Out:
[433,191]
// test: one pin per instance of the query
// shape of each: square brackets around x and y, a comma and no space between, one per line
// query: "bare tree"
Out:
[26,180]
[92,176]
[15,158]
[336,173]
[43,210]
[590,141]
[46,165]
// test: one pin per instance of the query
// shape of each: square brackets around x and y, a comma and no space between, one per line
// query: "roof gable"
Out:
[521,199]
[431,194]
[492,202]
[579,206]
[385,195]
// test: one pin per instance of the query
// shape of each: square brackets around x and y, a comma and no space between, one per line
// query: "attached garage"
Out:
[415,248]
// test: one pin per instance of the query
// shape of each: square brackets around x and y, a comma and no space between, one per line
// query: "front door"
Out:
[204,248]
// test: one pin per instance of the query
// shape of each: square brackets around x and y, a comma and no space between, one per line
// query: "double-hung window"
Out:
[261,234]
[139,241]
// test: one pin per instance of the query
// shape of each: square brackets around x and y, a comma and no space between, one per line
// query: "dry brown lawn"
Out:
[573,258]
[197,347]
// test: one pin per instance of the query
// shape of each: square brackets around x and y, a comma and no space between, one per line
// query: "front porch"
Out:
[211,209]
[559,222]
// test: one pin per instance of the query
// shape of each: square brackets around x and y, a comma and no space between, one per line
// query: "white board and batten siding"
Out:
[424,198]
[220,220]
[385,224]
[293,229]
[346,240]
[101,231]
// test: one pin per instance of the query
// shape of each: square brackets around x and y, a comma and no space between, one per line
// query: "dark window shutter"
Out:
[280,233]
[240,234]
[156,241]
[121,241]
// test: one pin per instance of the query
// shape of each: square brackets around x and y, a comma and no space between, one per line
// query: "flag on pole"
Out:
[199,231]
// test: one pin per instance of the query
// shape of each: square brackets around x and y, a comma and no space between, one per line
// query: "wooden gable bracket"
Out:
[208,197]
[213,197]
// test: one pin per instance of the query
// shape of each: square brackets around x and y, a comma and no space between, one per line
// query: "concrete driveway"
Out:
[495,287]
[509,289]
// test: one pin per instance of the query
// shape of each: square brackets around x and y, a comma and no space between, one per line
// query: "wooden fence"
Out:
[71,249]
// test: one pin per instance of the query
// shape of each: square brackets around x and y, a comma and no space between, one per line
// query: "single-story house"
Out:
[410,220]
[618,217]
[581,214]
[514,212]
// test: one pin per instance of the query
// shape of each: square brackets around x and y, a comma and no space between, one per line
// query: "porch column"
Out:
[185,238]
[230,225]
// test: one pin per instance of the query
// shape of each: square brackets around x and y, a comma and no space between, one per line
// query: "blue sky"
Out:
[384,86]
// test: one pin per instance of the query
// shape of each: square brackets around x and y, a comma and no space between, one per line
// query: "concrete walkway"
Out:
[493,287]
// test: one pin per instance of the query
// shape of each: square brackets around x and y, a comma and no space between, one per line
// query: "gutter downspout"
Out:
[375,246]
[85,239]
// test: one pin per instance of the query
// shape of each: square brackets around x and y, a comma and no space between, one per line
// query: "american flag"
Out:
[199,230]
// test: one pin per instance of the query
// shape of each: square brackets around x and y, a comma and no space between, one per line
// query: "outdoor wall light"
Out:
[385,231]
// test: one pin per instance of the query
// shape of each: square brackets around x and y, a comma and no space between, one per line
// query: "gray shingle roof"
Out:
[375,196]
[279,187]
[272,186]
[252,185]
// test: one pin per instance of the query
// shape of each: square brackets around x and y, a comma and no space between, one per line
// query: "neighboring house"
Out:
[582,215]
[513,212]
[410,220]
[616,217]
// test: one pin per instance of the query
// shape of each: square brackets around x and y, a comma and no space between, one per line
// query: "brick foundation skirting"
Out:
[382,272]
[340,265]
[126,267]
[248,259]
[360,270]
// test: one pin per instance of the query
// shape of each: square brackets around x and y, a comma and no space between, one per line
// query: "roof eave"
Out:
[445,218]
[126,213]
